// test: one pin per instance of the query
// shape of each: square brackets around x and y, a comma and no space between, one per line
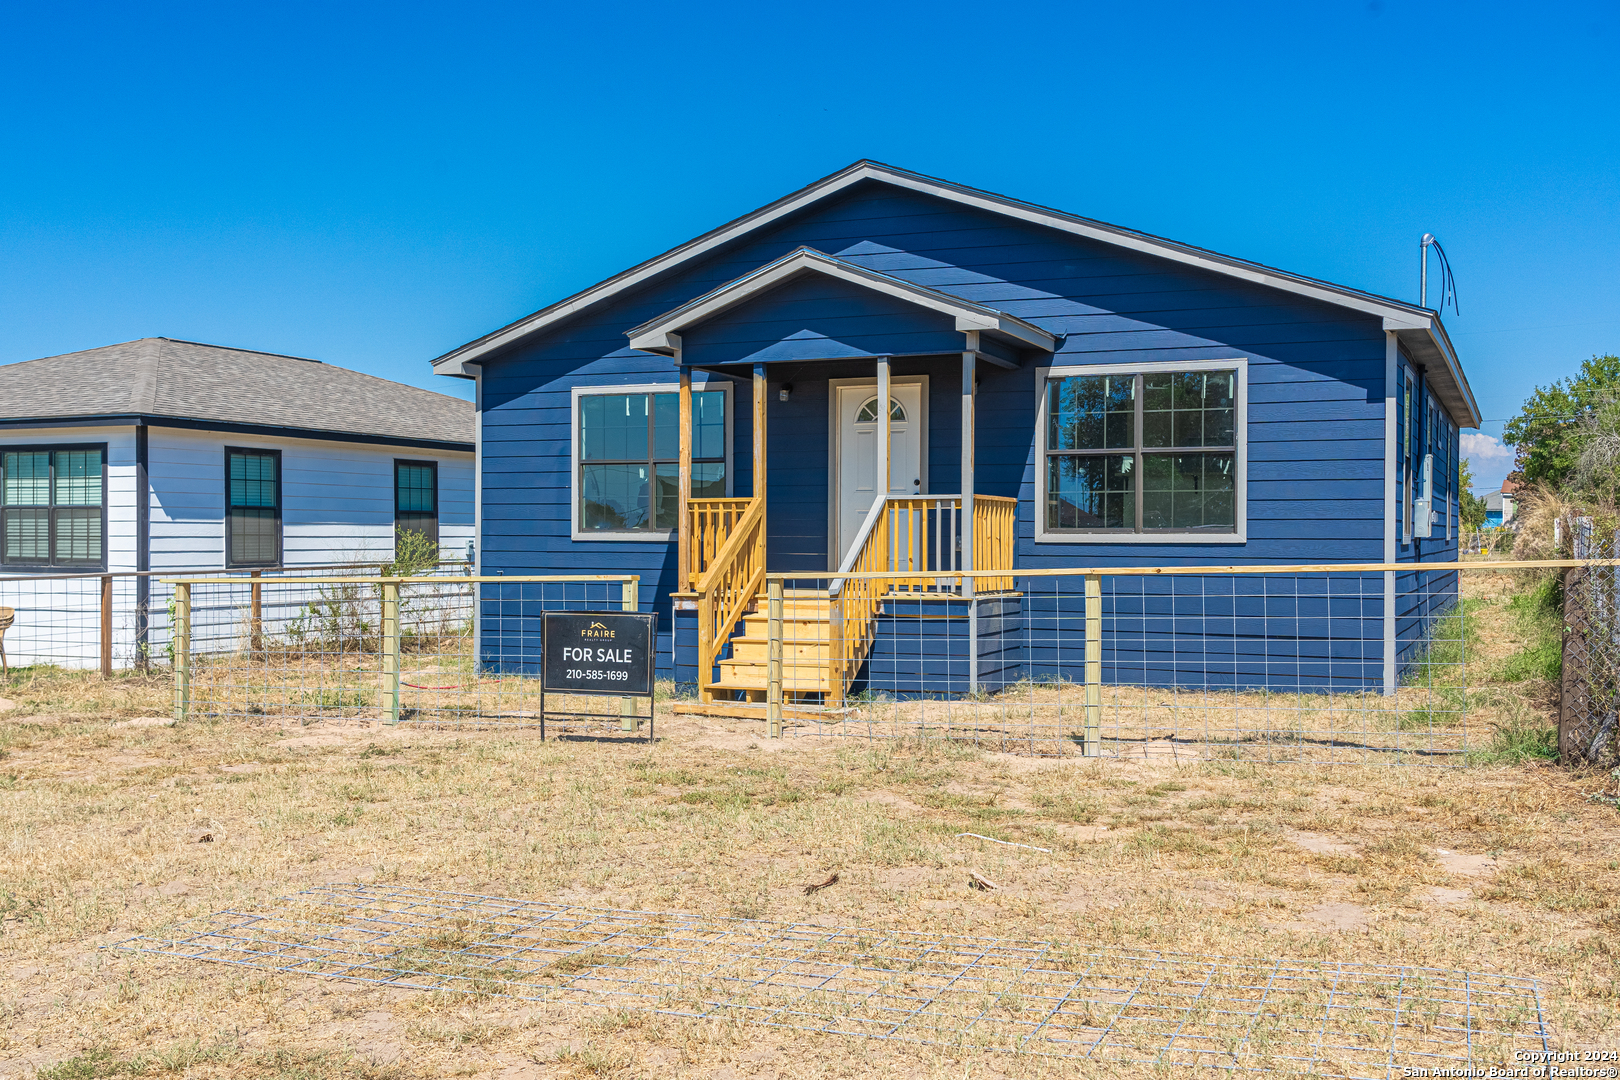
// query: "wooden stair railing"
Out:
[913,538]
[712,522]
[728,586]
[855,601]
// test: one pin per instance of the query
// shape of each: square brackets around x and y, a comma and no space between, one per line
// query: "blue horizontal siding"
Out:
[1316,391]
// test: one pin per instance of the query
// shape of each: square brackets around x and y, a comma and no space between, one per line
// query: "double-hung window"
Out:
[1142,452]
[252,507]
[53,507]
[627,457]
[416,498]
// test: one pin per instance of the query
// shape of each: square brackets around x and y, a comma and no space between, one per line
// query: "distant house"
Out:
[173,455]
[1501,505]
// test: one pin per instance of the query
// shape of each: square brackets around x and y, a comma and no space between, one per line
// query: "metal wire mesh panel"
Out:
[1590,679]
[442,651]
[1256,666]
[994,994]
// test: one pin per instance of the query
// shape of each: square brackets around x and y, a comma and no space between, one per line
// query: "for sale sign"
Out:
[598,652]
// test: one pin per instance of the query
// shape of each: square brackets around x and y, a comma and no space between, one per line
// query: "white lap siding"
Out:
[337,507]
[59,621]
[337,499]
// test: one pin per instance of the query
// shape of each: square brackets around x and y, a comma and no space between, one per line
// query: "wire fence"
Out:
[1589,686]
[447,651]
[1313,665]
[1321,665]
[1040,998]
[115,621]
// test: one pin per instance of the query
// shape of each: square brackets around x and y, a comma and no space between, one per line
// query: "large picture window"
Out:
[1142,452]
[627,456]
[53,507]
[252,507]
[416,498]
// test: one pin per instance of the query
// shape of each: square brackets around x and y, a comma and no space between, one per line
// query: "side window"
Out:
[53,507]
[252,508]
[416,498]
[1142,452]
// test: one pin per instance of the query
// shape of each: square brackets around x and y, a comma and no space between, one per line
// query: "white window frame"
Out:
[642,536]
[1240,465]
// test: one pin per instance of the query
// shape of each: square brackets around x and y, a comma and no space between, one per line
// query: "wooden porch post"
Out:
[683,558]
[759,431]
[883,426]
[883,461]
[970,392]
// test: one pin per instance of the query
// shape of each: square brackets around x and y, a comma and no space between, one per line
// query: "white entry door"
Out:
[856,471]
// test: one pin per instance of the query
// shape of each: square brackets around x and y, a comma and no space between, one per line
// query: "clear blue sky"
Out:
[375,184]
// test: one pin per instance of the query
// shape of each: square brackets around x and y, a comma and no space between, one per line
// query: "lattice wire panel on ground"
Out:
[970,994]
[1258,666]
[440,651]
[1590,679]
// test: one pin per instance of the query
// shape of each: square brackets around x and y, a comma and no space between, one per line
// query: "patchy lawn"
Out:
[1504,868]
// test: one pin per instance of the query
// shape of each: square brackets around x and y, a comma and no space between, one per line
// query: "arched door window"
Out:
[867,413]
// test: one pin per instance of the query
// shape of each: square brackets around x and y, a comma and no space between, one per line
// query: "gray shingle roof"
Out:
[185,380]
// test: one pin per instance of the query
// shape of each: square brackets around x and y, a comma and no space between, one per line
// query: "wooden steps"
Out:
[806,649]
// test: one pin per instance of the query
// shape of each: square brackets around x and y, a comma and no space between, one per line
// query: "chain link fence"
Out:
[1589,687]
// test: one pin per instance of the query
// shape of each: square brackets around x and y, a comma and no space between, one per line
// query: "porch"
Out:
[889,371]
[725,550]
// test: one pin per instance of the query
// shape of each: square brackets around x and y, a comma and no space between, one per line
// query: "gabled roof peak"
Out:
[1418,328]
[660,335]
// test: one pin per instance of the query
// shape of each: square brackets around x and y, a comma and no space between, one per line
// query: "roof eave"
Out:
[454,362]
[1425,338]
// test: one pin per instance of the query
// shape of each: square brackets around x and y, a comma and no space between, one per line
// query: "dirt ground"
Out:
[110,829]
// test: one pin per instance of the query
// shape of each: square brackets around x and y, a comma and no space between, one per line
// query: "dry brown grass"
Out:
[1498,869]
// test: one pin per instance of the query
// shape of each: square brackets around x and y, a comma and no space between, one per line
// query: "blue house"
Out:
[1059,392]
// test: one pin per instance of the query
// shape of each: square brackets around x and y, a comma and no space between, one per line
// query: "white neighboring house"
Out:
[168,455]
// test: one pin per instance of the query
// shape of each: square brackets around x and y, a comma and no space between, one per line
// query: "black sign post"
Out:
[597,653]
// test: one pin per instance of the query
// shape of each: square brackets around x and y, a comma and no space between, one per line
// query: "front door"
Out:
[856,470]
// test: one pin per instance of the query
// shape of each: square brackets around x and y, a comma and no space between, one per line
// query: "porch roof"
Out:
[662,335]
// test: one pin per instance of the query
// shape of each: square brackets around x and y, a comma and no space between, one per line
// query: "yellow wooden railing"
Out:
[855,601]
[728,586]
[909,537]
[995,534]
[712,521]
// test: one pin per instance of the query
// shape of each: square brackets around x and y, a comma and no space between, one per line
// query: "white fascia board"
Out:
[1433,333]
[865,170]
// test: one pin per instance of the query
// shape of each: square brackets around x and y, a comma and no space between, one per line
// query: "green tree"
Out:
[1471,505]
[1553,426]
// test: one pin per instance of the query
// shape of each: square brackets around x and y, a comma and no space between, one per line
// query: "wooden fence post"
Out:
[180,634]
[256,627]
[773,659]
[106,625]
[630,601]
[390,650]
[1093,741]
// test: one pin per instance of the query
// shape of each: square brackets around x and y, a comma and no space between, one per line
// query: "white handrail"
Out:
[879,507]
